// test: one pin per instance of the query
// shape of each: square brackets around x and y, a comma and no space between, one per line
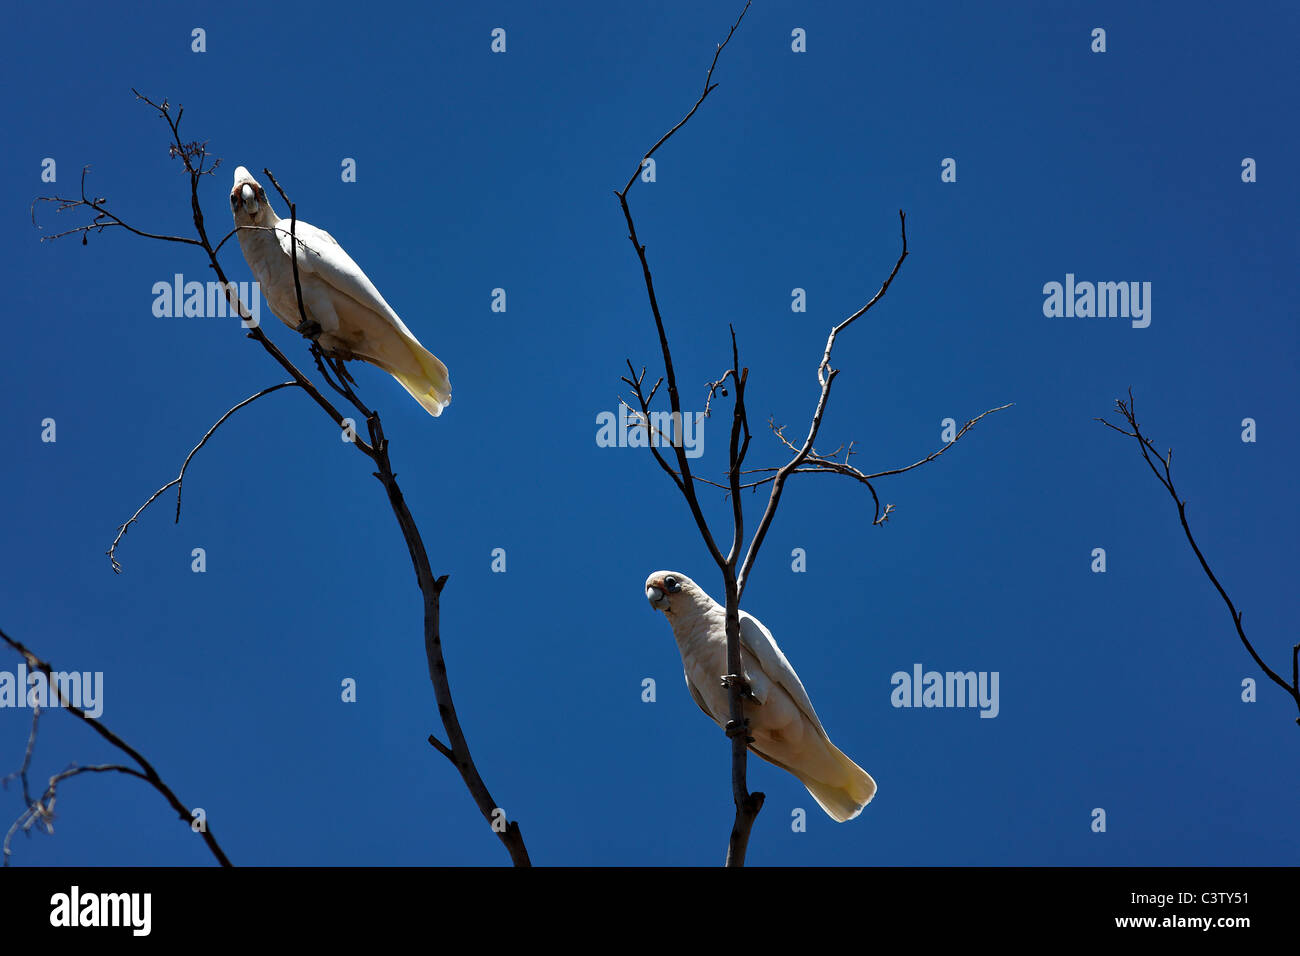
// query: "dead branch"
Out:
[826,377]
[42,809]
[21,772]
[816,463]
[747,805]
[1162,469]
[179,480]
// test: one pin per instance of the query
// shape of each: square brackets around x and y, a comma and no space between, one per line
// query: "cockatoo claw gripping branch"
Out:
[737,729]
[735,680]
[309,329]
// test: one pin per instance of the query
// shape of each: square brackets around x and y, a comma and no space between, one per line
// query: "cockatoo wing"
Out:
[369,326]
[695,696]
[758,641]
[319,254]
[839,785]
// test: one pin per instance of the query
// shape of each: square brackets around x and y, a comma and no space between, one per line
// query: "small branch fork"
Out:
[194,157]
[179,480]
[1161,467]
[41,810]
[805,459]
[817,463]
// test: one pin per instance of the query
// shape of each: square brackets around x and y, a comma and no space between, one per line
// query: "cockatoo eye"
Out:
[671,585]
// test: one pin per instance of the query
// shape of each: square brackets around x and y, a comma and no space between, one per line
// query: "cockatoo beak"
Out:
[657,598]
[249,196]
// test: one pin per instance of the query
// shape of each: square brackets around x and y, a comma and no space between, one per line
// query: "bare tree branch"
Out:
[747,805]
[431,588]
[42,811]
[826,377]
[683,479]
[179,480]
[21,772]
[815,463]
[103,218]
[1162,469]
[146,770]
[707,90]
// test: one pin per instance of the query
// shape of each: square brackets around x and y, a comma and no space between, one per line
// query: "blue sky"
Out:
[1118,690]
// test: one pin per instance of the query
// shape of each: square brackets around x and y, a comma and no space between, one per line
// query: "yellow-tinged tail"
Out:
[432,388]
[842,798]
[846,801]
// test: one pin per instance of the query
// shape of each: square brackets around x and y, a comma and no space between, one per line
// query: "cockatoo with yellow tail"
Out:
[345,311]
[782,722]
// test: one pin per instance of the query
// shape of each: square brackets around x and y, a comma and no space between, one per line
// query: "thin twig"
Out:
[1165,476]
[42,810]
[102,213]
[21,772]
[179,480]
[815,463]
[707,90]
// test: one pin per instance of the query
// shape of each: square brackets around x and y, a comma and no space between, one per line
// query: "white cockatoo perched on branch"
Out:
[782,721]
[354,319]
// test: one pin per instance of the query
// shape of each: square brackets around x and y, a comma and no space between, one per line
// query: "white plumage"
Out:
[782,721]
[354,319]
